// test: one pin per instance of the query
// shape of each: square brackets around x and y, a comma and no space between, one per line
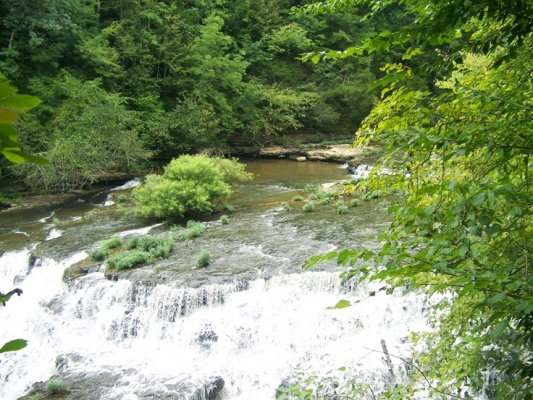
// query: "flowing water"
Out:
[238,329]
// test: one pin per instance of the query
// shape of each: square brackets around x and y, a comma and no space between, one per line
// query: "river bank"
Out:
[339,153]
[335,153]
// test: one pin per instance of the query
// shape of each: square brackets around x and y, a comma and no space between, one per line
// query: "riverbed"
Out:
[250,322]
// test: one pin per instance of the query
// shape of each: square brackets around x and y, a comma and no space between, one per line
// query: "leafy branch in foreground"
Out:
[16,344]
[12,105]
[460,155]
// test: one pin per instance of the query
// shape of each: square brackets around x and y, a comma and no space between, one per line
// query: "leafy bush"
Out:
[342,209]
[112,243]
[224,219]
[156,246]
[122,198]
[54,385]
[9,197]
[311,187]
[99,254]
[188,184]
[354,203]
[297,198]
[308,207]
[203,259]
[322,197]
[375,194]
[286,206]
[91,131]
[128,259]
[194,229]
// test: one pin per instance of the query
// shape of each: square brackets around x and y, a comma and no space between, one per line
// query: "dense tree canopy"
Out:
[183,76]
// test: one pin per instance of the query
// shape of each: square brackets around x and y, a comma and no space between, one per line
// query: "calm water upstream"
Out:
[237,329]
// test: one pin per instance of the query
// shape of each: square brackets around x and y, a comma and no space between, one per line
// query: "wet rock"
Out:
[35,261]
[81,268]
[301,158]
[285,384]
[63,361]
[207,336]
[211,391]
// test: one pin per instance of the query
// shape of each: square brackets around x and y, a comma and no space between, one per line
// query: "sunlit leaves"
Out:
[461,157]
[12,105]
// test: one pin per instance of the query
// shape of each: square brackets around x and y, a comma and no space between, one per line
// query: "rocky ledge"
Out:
[341,153]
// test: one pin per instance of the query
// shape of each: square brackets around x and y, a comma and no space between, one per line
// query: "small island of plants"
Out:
[190,184]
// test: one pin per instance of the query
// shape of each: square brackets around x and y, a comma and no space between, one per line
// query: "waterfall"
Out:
[125,340]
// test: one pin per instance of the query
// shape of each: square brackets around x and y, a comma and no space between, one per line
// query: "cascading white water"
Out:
[167,340]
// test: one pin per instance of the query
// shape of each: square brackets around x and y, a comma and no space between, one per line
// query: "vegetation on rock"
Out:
[189,184]
[203,260]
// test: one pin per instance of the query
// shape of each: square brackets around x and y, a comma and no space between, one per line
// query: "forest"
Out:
[162,78]
[445,88]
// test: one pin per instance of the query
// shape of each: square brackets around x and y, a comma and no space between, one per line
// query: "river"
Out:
[238,329]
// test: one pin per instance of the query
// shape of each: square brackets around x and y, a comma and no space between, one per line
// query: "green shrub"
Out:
[36,396]
[188,184]
[56,221]
[224,219]
[375,194]
[54,385]
[354,203]
[203,259]
[156,246]
[322,197]
[286,206]
[122,198]
[342,209]
[339,203]
[128,259]
[194,229]
[112,243]
[311,187]
[9,197]
[229,208]
[297,198]
[99,254]
[308,207]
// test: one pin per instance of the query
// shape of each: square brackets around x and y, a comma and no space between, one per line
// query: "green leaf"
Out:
[340,304]
[20,102]
[316,58]
[314,260]
[13,155]
[7,116]
[14,345]
[499,329]
[496,298]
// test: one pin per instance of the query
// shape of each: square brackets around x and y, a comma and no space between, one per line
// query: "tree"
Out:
[459,155]
[92,133]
